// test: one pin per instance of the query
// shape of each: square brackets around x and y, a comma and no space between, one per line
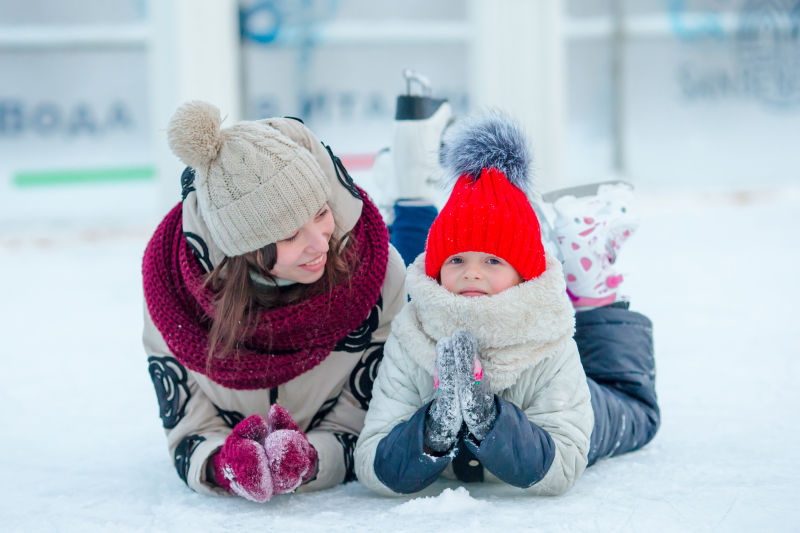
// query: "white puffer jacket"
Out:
[524,337]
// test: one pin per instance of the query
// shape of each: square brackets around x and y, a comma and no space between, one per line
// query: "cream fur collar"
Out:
[515,329]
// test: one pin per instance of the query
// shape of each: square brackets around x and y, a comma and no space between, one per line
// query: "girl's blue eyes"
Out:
[491,261]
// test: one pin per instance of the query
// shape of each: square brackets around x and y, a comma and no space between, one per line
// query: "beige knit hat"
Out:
[254,184]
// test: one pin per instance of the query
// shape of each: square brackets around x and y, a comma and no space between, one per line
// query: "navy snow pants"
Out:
[410,228]
[616,347]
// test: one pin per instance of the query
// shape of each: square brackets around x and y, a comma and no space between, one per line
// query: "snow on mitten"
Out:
[477,402]
[443,420]
[241,466]
[292,459]
[590,232]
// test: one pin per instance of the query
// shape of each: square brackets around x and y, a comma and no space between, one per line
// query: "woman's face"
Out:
[302,255]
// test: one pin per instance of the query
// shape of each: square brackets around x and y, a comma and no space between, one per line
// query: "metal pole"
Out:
[518,64]
[618,87]
[194,53]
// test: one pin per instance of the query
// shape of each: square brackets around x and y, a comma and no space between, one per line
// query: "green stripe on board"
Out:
[68,177]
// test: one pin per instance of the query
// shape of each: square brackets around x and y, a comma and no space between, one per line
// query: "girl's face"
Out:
[477,274]
[302,255]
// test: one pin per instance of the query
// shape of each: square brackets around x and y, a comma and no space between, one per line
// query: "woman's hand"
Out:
[292,459]
[260,458]
[241,466]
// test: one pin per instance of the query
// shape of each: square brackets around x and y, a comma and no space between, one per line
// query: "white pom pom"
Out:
[194,133]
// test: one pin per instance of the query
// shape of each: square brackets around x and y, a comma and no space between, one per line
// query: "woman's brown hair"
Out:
[239,299]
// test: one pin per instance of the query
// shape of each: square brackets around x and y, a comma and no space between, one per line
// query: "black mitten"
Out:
[443,420]
[477,403]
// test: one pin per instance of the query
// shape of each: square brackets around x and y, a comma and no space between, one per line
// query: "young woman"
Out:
[269,291]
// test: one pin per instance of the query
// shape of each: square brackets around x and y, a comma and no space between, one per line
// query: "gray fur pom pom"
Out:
[489,140]
[194,133]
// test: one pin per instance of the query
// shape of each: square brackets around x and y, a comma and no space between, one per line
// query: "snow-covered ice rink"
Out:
[83,449]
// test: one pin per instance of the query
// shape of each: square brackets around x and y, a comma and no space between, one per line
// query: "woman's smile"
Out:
[316,264]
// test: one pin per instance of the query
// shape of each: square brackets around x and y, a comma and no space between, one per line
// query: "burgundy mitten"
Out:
[242,467]
[292,459]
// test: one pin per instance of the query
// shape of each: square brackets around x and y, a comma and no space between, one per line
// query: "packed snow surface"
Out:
[83,449]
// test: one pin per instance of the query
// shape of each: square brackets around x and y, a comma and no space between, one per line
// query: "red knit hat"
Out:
[490,213]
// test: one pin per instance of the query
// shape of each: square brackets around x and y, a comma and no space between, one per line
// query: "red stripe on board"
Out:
[358,161]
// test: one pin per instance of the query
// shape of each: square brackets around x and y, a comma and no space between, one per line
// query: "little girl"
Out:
[481,377]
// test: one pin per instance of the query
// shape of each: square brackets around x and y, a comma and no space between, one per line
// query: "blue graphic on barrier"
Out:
[768,50]
[272,22]
[264,22]
[19,118]
[764,49]
[261,22]
[707,25]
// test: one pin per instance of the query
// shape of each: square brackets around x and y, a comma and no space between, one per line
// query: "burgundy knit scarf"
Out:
[289,340]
